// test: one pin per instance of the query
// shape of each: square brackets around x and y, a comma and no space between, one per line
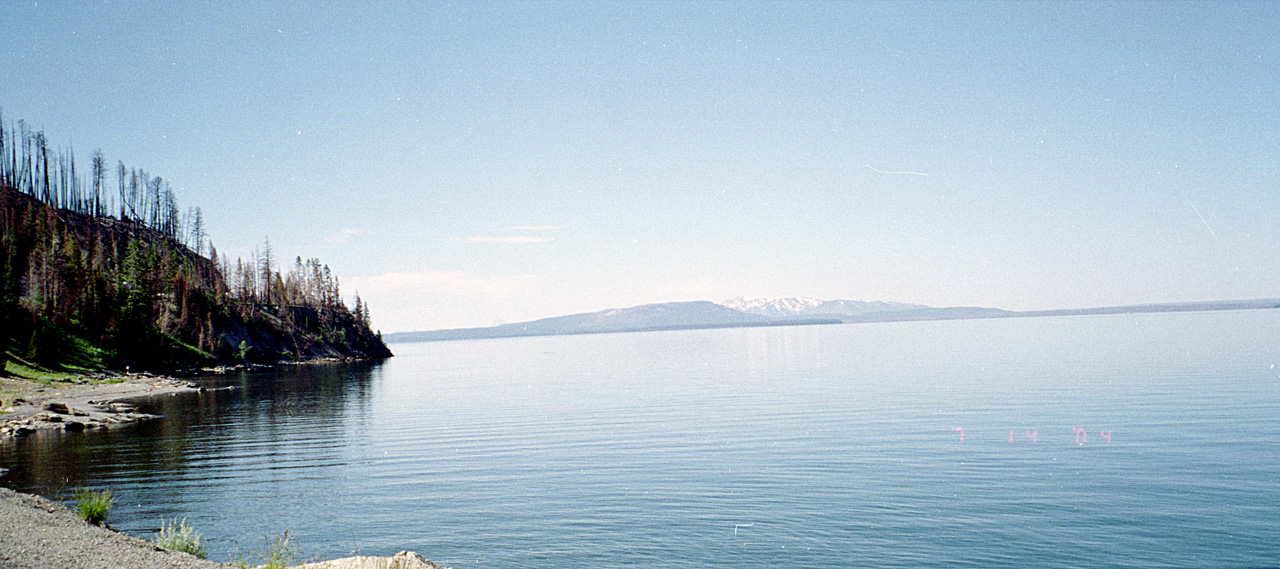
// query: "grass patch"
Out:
[279,554]
[21,369]
[168,352]
[180,537]
[84,355]
[55,347]
[282,551]
[93,505]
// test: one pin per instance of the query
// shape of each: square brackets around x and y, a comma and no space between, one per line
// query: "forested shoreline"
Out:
[97,279]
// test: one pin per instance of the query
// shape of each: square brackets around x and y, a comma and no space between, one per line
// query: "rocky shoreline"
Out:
[40,534]
[94,402]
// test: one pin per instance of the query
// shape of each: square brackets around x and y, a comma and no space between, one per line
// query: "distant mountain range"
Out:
[792,307]
[750,312]
[648,317]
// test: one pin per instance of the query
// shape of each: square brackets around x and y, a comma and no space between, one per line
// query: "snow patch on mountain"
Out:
[791,307]
[774,307]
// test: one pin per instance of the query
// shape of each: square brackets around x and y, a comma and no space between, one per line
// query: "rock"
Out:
[22,431]
[411,560]
[73,426]
[402,560]
[57,407]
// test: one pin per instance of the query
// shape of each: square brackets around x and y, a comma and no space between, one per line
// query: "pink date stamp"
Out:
[1080,434]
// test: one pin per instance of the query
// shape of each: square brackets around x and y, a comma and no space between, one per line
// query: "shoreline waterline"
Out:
[42,532]
[96,401]
[912,444]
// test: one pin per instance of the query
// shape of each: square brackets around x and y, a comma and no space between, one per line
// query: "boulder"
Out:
[402,560]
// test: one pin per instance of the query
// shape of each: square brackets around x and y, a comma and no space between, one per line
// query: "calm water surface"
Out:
[1109,441]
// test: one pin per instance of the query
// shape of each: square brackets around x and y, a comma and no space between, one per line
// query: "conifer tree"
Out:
[99,173]
[133,284]
[121,172]
[265,264]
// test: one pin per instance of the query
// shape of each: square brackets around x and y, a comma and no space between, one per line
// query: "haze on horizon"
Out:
[468,164]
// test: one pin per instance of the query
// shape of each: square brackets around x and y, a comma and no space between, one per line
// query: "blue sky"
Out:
[474,163]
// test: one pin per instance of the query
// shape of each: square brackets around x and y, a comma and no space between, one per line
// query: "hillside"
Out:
[81,291]
[753,312]
[644,318]
[853,311]
[792,307]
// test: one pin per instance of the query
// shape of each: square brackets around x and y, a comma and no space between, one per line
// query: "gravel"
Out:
[36,533]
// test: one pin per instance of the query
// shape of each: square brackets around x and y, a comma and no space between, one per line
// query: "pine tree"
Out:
[265,264]
[8,301]
[121,172]
[99,173]
[198,234]
[359,310]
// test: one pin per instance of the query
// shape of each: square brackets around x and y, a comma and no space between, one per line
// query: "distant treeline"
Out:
[90,282]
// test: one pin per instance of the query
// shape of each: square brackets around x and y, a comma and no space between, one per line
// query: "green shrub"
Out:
[93,505]
[180,537]
[281,552]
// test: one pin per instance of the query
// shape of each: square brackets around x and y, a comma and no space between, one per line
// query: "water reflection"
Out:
[50,462]
[1085,438]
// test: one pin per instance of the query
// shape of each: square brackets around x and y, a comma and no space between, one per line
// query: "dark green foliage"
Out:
[93,505]
[8,302]
[81,290]
[50,345]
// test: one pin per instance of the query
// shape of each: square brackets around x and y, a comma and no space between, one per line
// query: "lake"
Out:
[1146,440]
